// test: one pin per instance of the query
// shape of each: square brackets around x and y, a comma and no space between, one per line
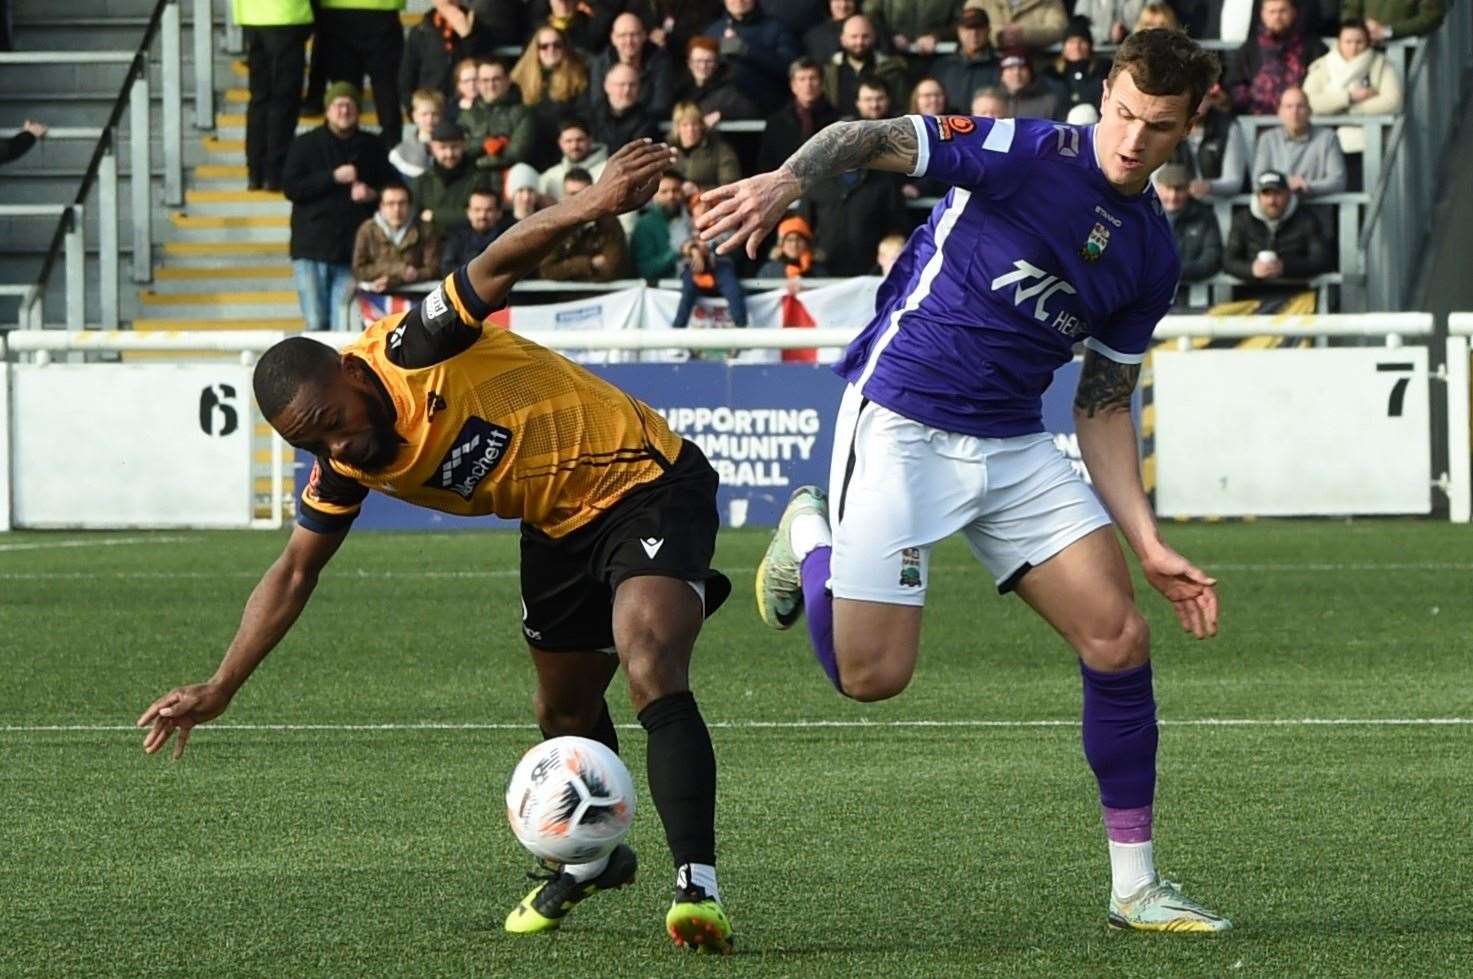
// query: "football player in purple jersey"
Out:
[1050,236]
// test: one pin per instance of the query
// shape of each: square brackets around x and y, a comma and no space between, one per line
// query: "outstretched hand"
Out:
[749,209]
[180,710]
[1191,591]
[632,175]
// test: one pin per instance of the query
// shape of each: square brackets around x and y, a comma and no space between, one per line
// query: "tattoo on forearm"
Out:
[846,146]
[1104,385]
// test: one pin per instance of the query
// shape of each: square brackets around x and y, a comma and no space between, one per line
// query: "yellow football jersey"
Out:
[492,423]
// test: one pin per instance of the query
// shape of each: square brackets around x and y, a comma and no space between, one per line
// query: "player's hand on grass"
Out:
[180,710]
[632,175]
[749,208]
[1190,590]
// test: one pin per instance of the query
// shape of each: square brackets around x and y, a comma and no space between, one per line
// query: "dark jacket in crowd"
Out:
[717,95]
[499,133]
[1299,241]
[798,15]
[710,163]
[1078,83]
[324,215]
[789,128]
[656,76]
[850,213]
[759,55]
[841,79]
[572,260]
[1198,241]
[431,52]
[616,130]
[1036,100]
[961,76]
[445,193]
[463,243]
[1265,65]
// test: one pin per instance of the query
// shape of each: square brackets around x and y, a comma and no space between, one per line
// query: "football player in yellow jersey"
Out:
[618,519]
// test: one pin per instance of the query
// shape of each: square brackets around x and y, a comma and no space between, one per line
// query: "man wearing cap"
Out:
[1028,97]
[1032,24]
[1274,240]
[974,65]
[332,176]
[856,61]
[1193,225]
[442,192]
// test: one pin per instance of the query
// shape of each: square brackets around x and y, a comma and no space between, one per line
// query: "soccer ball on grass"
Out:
[570,800]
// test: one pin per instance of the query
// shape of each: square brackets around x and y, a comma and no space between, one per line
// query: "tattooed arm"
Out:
[1107,441]
[751,208]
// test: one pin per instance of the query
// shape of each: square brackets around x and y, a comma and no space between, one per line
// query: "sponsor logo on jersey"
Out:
[1095,245]
[948,126]
[435,305]
[1100,212]
[910,567]
[475,454]
[1033,281]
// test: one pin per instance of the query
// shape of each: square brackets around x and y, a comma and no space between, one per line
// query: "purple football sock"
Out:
[1120,743]
[818,606]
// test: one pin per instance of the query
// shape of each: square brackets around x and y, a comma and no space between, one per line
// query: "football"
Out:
[571,800]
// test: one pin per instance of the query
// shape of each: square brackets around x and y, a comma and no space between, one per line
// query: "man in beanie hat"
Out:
[1077,75]
[442,192]
[792,257]
[332,177]
[523,190]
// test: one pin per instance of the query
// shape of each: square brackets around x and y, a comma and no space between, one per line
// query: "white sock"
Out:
[809,530]
[586,871]
[1132,867]
[701,875]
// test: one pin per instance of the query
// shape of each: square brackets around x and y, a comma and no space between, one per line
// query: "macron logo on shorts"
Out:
[652,545]
[475,453]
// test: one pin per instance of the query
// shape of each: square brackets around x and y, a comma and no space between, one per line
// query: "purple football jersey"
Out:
[1031,252]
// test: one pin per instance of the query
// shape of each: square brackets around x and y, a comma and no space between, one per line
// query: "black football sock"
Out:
[603,731]
[682,776]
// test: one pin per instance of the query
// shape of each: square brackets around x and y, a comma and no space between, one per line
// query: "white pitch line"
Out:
[104,542]
[787,725]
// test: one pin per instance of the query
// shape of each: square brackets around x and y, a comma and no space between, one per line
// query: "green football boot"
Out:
[779,580]
[698,922]
[1161,906]
[550,901]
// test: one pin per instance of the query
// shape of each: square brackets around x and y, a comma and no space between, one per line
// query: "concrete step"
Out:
[288,323]
[90,33]
[218,176]
[217,304]
[212,254]
[32,9]
[176,280]
[228,228]
[258,203]
[98,79]
[31,187]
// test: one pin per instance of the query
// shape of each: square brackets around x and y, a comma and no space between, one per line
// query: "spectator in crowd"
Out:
[850,213]
[674,22]
[974,66]
[792,257]
[805,114]
[579,152]
[703,272]
[17,146]
[332,176]
[1277,57]
[499,129]
[886,252]
[442,192]
[393,248]
[928,98]
[1193,225]
[484,223]
[1157,13]
[1077,75]
[821,42]
[1353,79]
[856,61]
[1215,152]
[1032,24]
[630,45]
[437,48]
[1307,155]
[275,34]
[701,155]
[1109,20]
[914,26]
[523,191]
[1275,240]
[758,48]
[619,116]
[412,156]
[662,230]
[707,82]
[364,37]
[552,79]
[464,97]
[1388,19]
[596,252]
[585,26]
[798,16]
[1028,97]
[992,102]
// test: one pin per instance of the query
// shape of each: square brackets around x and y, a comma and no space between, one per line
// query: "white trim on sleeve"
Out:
[1000,136]
[1098,347]
[923,146]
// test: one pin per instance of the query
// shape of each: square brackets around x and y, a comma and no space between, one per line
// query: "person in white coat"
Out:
[1353,79]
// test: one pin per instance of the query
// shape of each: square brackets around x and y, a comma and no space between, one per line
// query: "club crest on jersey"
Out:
[475,453]
[1098,241]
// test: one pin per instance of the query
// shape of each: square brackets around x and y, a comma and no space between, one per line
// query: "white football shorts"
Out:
[897,486]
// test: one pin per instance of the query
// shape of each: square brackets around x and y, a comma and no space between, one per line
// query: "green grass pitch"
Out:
[854,841]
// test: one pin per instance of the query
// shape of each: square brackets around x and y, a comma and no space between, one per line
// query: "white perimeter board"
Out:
[1292,432]
[130,445]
